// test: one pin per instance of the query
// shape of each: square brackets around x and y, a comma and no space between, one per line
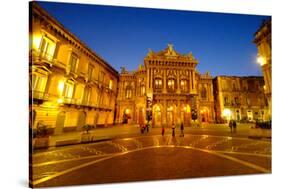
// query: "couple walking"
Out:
[232,125]
[174,130]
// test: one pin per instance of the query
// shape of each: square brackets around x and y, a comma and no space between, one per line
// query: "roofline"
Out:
[235,76]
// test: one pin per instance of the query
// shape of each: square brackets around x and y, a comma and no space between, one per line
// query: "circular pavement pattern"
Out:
[151,158]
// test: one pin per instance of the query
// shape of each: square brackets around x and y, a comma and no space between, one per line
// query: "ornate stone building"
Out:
[171,82]
[70,85]
[240,98]
[263,42]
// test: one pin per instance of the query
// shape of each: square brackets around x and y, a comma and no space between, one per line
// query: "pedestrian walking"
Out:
[173,129]
[182,128]
[234,124]
[163,130]
[230,125]
[147,127]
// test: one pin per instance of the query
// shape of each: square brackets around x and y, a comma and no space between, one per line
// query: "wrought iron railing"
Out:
[39,55]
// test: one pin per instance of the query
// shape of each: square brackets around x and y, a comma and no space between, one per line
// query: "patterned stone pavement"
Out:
[53,168]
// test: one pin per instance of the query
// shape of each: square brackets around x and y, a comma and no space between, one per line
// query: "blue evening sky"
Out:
[222,43]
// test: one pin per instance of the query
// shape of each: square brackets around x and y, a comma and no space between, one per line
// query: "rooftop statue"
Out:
[150,52]
[123,70]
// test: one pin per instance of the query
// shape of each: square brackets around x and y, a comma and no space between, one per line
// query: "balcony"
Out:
[39,95]
[40,57]
[158,90]
[232,104]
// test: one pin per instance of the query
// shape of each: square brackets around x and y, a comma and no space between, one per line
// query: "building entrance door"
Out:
[81,120]
[141,120]
[59,123]
[170,116]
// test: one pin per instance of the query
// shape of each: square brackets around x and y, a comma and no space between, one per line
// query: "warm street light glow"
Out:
[127,111]
[61,86]
[60,100]
[226,113]
[36,41]
[261,60]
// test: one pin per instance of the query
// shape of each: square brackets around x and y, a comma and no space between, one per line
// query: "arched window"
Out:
[171,85]
[128,92]
[158,83]
[184,85]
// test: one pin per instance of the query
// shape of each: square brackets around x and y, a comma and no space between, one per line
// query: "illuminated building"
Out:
[170,80]
[240,98]
[263,43]
[70,85]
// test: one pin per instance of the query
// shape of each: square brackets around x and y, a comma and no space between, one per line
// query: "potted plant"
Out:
[41,136]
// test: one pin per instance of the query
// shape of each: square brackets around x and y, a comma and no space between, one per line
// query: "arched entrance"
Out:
[157,115]
[127,116]
[185,114]
[171,119]
[141,116]
[59,123]
[81,120]
[204,113]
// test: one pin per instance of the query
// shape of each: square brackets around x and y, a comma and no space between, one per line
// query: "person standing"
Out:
[173,129]
[147,126]
[230,125]
[234,124]
[163,130]
[182,128]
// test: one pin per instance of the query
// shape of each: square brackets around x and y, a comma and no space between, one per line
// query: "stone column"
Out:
[194,80]
[164,117]
[190,82]
[147,79]
[178,112]
[151,77]
[178,81]
[165,81]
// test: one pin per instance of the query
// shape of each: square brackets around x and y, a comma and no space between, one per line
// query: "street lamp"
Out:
[260,60]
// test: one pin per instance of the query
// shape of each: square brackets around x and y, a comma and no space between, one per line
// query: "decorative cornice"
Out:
[170,54]
[52,24]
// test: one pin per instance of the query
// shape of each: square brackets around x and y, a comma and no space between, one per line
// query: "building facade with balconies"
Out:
[70,85]
[168,88]
[240,98]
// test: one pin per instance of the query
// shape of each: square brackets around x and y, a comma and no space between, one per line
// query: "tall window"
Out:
[38,83]
[47,48]
[183,84]
[204,93]
[110,85]
[73,62]
[236,99]
[90,72]
[225,100]
[128,93]
[142,90]
[248,101]
[68,89]
[158,83]
[87,95]
[171,84]
[233,87]
[101,76]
